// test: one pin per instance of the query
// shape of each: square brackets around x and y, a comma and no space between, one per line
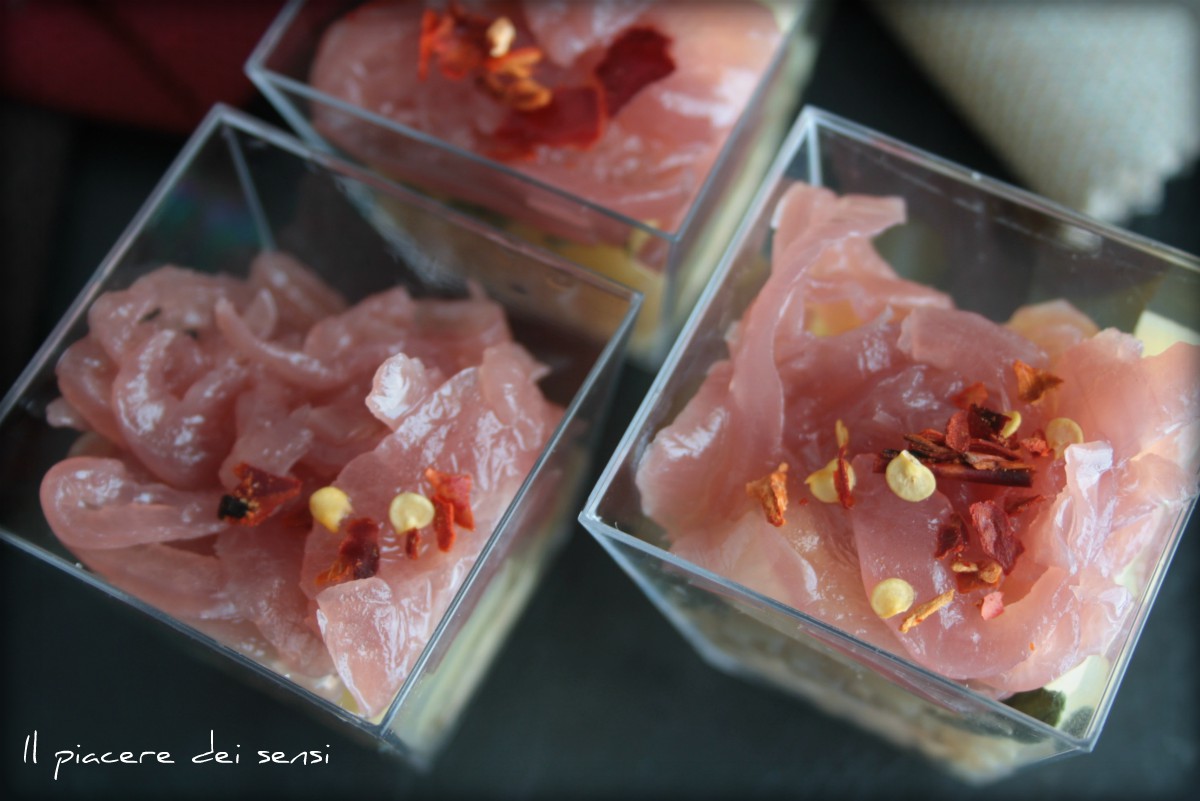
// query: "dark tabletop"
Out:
[594,694]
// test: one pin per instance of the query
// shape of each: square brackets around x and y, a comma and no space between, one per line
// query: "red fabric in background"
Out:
[152,63]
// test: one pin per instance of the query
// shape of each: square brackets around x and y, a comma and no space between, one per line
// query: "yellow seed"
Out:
[500,35]
[909,479]
[891,597]
[329,507]
[842,433]
[409,510]
[1014,422]
[1061,432]
[822,485]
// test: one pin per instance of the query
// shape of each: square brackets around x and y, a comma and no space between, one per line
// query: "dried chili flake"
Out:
[843,480]
[991,572]
[974,395]
[992,605]
[637,58]
[454,488]
[927,448]
[510,80]
[958,431]
[996,533]
[1037,444]
[458,40]
[1018,504]
[257,495]
[412,543]
[923,611]
[771,492]
[358,555]
[986,424]
[967,582]
[576,116]
[1007,475]
[1033,382]
[951,538]
[990,448]
[443,523]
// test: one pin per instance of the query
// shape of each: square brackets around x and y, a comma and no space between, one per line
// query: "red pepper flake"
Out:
[1017,505]
[358,555]
[412,543]
[576,116]
[1033,382]
[968,581]
[958,431]
[637,58]
[457,39]
[986,424]
[510,80]
[257,495]
[454,488]
[443,523]
[984,578]
[922,612]
[771,492]
[1037,444]
[992,605]
[996,534]
[974,395]
[952,538]
[841,480]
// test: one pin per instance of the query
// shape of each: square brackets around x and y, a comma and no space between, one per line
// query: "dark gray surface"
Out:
[594,695]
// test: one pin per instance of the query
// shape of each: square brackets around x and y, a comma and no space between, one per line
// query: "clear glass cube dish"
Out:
[668,260]
[992,248]
[240,188]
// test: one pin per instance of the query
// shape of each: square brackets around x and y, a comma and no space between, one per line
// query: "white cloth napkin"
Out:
[1094,104]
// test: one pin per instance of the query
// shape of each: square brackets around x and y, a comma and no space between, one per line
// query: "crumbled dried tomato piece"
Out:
[1033,382]
[951,538]
[974,395]
[358,555]
[454,488]
[771,492]
[996,533]
[257,495]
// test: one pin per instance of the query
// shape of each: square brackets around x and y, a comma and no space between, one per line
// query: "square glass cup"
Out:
[992,248]
[668,261]
[240,187]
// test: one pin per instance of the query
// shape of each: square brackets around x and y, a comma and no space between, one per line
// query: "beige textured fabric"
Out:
[1092,103]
